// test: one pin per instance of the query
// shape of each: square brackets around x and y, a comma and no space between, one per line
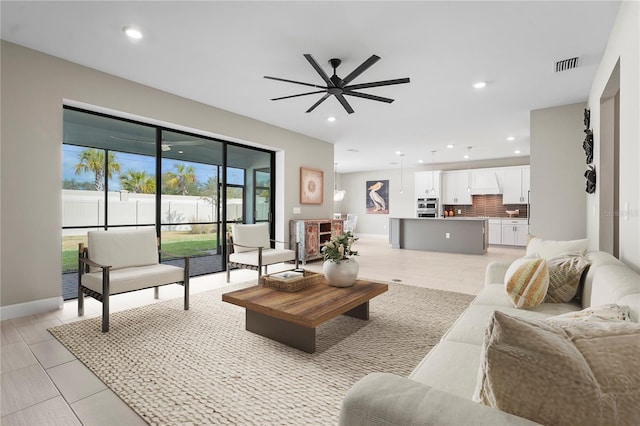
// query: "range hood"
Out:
[484,183]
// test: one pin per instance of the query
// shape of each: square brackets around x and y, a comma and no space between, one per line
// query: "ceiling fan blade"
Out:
[301,94]
[319,70]
[362,68]
[377,84]
[293,81]
[344,103]
[318,103]
[368,96]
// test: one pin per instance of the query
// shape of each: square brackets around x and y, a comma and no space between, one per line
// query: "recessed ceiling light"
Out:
[466,156]
[180,152]
[398,153]
[331,119]
[480,85]
[132,32]
[517,151]
[420,161]
[450,146]
[511,138]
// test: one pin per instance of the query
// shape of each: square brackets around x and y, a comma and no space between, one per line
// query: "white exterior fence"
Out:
[86,208]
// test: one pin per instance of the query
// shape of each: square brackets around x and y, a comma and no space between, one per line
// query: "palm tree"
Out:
[138,182]
[92,160]
[181,178]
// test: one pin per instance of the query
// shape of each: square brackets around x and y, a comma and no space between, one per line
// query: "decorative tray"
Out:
[283,282]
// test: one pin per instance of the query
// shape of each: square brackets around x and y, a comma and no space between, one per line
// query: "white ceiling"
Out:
[218,52]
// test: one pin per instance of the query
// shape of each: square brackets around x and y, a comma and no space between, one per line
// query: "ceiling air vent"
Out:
[567,64]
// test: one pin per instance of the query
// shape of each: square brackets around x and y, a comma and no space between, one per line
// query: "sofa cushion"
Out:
[252,235]
[564,277]
[616,284]
[470,326]
[597,259]
[123,249]
[576,373]
[269,257]
[134,278]
[551,248]
[451,367]
[526,282]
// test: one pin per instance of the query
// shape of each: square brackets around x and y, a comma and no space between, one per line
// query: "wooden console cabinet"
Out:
[311,234]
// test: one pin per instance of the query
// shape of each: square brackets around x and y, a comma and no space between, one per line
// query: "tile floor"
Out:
[42,383]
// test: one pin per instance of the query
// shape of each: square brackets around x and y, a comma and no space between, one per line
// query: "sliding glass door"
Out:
[125,174]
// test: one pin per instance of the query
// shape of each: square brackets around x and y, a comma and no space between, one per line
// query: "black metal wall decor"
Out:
[590,174]
[587,145]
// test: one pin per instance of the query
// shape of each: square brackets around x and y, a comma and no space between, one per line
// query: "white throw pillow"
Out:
[550,248]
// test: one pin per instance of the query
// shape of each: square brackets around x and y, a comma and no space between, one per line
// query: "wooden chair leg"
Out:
[156,292]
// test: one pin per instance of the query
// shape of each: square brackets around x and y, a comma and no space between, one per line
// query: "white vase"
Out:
[343,274]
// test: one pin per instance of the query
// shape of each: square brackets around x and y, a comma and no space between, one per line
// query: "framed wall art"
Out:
[377,197]
[311,186]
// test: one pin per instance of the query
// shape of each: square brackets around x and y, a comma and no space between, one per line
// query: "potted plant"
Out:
[338,268]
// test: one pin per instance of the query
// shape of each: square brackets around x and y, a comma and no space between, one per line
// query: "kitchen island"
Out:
[469,235]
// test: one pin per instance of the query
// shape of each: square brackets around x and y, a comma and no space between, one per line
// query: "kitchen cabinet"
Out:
[515,184]
[495,231]
[514,232]
[455,187]
[312,234]
[427,184]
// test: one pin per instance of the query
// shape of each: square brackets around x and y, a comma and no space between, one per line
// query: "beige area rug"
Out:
[201,367]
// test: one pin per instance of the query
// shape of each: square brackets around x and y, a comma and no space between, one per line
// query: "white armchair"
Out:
[249,247]
[122,261]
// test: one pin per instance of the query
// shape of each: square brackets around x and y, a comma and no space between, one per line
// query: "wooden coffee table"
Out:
[292,318]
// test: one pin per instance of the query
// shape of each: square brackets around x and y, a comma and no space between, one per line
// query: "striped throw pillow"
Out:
[527,281]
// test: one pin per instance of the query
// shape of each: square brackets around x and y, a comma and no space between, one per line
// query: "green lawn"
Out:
[178,243]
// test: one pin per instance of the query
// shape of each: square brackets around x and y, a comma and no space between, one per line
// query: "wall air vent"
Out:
[567,64]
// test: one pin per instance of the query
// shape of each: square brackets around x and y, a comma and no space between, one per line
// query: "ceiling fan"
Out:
[339,87]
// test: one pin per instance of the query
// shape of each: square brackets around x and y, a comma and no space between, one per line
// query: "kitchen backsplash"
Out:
[487,205]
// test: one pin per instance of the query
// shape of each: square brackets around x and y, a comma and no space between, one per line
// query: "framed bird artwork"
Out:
[377,197]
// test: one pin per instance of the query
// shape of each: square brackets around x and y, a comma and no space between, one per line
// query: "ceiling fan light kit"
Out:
[339,87]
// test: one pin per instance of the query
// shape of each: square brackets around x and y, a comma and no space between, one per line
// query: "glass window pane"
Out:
[82,186]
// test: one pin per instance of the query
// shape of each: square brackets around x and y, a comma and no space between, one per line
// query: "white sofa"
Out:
[439,391]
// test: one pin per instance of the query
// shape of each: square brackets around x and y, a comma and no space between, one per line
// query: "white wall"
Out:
[34,88]
[623,45]
[558,196]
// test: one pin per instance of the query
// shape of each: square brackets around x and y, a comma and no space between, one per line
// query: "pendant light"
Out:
[433,189]
[338,195]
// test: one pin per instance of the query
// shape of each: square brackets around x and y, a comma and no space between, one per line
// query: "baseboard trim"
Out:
[31,308]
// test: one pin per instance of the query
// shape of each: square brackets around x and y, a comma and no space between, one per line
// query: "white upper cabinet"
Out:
[427,184]
[515,184]
[455,187]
